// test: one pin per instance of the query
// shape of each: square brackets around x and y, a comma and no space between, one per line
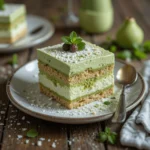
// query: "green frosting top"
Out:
[92,57]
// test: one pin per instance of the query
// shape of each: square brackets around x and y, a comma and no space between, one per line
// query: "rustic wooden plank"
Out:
[84,137]
[4,102]
[19,123]
[56,133]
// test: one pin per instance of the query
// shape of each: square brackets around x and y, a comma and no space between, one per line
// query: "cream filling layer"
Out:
[14,32]
[74,92]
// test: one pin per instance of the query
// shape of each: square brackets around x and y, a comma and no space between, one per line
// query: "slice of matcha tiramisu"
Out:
[75,72]
[13,24]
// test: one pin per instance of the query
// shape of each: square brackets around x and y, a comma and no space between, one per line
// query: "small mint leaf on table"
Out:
[108,136]
[14,59]
[111,139]
[107,130]
[102,137]
[32,133]
[107,102]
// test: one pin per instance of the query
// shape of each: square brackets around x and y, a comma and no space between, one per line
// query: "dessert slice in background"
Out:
[76,78]
[13,24]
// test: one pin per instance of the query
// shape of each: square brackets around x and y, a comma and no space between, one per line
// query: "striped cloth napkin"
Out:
[136,130]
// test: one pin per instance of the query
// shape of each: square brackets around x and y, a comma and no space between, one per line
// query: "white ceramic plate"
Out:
[24,93]
[39,30]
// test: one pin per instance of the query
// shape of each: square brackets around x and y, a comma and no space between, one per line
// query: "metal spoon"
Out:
[126,76]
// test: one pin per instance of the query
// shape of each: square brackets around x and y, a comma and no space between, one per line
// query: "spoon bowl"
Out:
[126,76]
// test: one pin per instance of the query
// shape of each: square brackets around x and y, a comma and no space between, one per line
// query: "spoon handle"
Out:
[120,114]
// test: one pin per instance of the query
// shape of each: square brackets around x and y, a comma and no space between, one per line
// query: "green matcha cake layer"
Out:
[73,92]
[86,82]
[92,57]
[10,26]
[14,33]
[12,12]
[81,100]
[53,73]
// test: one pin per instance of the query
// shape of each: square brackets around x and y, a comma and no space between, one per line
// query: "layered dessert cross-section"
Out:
[13,24]
[78,78]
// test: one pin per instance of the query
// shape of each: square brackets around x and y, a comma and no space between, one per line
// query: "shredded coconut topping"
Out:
[70,57]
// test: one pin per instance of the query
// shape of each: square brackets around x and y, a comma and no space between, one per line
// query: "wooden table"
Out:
[66,137]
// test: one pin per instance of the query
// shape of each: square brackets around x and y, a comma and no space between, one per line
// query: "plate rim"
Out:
[73,120]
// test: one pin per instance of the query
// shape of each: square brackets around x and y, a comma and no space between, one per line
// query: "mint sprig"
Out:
[74,39]
[1,4]
[32,133]
[108,135]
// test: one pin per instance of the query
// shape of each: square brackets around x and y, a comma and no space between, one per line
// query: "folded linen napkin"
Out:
[136,130]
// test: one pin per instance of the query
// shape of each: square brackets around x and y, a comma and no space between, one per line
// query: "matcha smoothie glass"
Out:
[96,16]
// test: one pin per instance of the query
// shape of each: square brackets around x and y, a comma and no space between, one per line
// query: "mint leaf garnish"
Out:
[73,34]
[1,4]
[66,40]
[74,39]
[81,45]
[108,136]
[32,133]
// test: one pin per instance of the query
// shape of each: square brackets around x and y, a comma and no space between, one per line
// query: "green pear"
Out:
[129,34]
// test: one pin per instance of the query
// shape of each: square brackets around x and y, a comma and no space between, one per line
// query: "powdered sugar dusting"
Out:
[50,106]
[90,51]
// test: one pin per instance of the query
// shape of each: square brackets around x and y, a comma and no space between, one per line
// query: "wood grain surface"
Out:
[14,123]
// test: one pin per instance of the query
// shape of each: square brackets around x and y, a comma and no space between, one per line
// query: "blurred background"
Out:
[56,12]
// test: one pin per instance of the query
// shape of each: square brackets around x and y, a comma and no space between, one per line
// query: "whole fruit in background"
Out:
[129,34]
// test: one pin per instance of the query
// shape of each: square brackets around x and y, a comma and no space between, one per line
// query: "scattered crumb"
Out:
[33,143]
[24,129]
[9,136]
[69,142]
[42,139]
[28,122]
[26,141]
[54,145]
[2,112]
[23,118]
[39,143]
[19,136]
[1,124]
[18,124]
[49,140]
